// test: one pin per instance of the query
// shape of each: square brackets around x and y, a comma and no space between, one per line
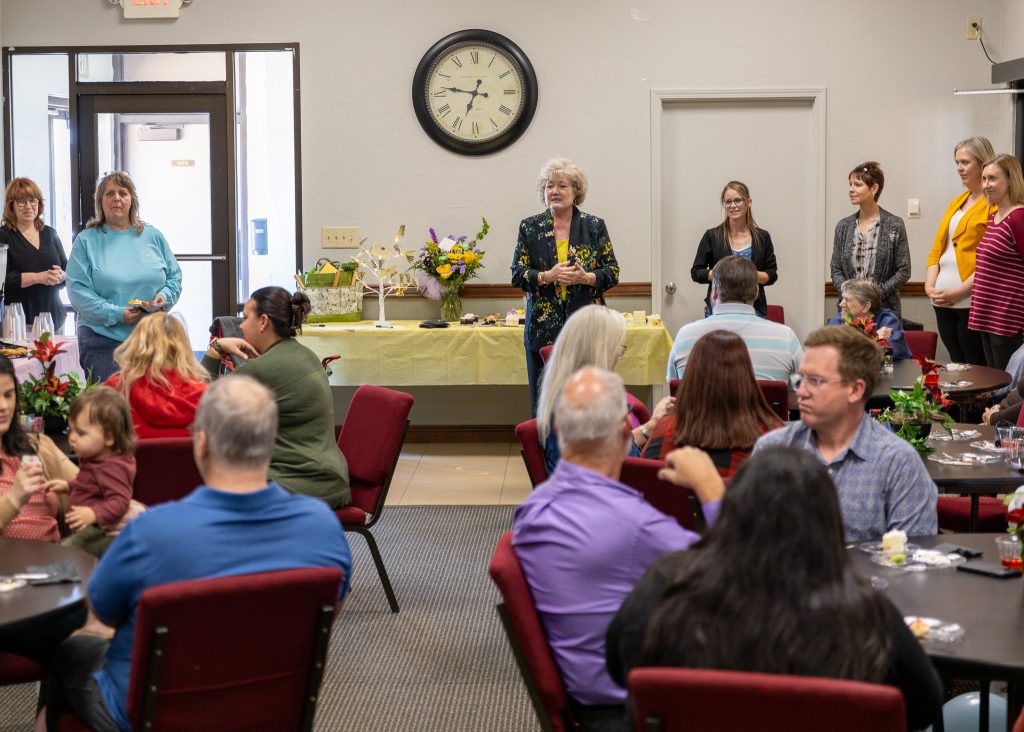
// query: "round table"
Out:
[981,378]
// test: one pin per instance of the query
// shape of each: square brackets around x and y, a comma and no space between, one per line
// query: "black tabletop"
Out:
[980,378]
[30,603]
[966,480]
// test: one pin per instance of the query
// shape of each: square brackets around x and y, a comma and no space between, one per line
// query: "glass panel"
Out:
[195,306]
[39,130]
[187,66]
[168,157]
[265,175]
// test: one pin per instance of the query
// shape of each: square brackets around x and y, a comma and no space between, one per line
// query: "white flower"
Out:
[446,244]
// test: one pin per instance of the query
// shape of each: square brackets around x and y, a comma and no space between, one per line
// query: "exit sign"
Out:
[151,8]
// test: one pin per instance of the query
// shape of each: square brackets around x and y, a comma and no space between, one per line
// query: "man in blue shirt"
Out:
[881,480]
[236,523]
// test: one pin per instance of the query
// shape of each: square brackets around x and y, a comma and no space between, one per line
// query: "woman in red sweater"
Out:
[160,377]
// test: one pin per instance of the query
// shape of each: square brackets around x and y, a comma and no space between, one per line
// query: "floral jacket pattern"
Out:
[589,245]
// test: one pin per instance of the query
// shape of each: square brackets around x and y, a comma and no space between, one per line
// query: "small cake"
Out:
[894,542]
[468,319]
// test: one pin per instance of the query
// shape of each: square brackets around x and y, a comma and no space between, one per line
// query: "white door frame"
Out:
[818,98]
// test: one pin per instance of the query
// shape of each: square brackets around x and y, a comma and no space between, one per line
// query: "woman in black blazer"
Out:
[871,243]
[737,235]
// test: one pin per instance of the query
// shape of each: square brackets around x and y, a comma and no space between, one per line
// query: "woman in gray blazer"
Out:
[871,243]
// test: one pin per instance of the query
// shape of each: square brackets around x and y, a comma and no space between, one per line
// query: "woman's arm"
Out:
[768,272]
[82,292]
[930,276]
[704,260]
[901,261]
[172,288]
[606,273]
[838,263]
[526,274]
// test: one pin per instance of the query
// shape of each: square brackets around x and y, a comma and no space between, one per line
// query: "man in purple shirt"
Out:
[585,539]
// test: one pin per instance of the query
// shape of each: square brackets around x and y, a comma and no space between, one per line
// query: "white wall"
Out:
[889,68]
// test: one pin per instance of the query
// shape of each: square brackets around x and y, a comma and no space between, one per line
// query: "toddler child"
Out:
[100,434]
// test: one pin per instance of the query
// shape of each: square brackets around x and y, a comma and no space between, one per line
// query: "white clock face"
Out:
[474,92]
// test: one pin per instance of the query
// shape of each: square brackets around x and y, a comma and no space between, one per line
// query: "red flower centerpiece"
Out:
[914,411]
[50,395]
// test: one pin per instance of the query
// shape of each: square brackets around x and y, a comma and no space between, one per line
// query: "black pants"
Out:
[534,366]
[72,686]
[963,344]
[998,348]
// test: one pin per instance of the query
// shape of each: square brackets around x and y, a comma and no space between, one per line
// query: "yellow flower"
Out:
[444,271]
[456,250]
[469,257]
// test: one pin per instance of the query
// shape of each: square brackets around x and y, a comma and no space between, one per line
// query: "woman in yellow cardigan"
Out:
[950,275]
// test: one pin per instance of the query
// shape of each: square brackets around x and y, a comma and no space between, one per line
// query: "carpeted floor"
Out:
[442,663]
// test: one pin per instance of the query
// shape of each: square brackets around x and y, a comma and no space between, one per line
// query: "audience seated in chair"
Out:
[774,348]
[883,483]
[584,539]
[861,297]
[772,590]
[720,408]
[237,523]
[592,336]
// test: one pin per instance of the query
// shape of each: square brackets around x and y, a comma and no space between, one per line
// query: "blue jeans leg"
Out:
[96,353]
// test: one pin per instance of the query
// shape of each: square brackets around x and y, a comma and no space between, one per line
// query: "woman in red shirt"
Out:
[160,377]
[719,406]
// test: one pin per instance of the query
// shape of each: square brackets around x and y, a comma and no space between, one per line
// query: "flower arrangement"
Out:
[446,265]
[49,395]
[865,324]
[913,412]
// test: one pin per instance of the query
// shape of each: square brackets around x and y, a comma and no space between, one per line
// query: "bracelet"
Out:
[216,346]
[644,432]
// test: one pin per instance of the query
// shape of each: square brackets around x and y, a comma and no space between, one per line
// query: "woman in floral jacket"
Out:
[563,261]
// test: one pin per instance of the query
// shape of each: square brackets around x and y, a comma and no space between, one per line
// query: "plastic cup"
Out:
[1009,551]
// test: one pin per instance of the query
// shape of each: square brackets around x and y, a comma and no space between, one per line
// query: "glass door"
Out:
[174,148]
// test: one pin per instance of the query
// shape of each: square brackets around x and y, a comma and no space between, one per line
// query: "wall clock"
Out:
[474,92]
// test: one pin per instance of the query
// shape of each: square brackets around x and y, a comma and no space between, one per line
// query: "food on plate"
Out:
[919,627]
[894,542]
[15,352]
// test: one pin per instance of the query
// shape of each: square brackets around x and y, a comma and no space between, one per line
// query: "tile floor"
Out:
[459,474]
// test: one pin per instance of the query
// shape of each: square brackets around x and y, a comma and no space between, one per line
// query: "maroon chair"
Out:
[955,514]
[532,452]
[15,669]
[725,701]
[545,353]
[529,643]
[165,470]
[638,408]
[371,440]
[1018,726]
[231,653]
[672,500]
[776,314]
[922,343]
[777,395]
[673,385]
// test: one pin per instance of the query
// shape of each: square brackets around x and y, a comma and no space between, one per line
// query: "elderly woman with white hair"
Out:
[563,261]
[594,336]
[861,296]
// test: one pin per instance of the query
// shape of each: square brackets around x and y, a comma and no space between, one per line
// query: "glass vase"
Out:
[451,305]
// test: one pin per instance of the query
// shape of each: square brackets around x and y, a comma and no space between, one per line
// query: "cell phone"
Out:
[989,569]
[964,551]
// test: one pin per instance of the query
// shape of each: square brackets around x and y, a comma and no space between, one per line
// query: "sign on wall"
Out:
[134,9]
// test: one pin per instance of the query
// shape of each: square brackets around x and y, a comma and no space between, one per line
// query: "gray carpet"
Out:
[442,663]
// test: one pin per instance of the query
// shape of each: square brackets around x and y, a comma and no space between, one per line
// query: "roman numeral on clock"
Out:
[457,62]
[510,91]
[474,57]
[476,129]
[457,124]
[443,111]
[504,110]
[502,76]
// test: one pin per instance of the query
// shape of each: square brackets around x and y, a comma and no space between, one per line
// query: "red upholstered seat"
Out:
[776,314]
[15,669]
[638,408]
[165,470]
[545,353]
[529,643]
[922,343]
[673,385]
[232,653]
[672,500]
[776,393]
[533,454]
[955,514]
[371,440]
[725,701]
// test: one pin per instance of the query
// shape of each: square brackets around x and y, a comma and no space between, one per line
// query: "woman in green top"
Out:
[306,458]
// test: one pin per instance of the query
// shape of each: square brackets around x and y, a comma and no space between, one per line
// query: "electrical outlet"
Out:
[339,237]
[973,29]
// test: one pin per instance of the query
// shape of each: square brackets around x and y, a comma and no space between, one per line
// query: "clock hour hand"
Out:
[454,89]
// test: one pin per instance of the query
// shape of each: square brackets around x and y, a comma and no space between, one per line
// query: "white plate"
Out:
[939,435]
[955,384]
[956,366]
[11,583]
[919,560]
[965,458]
[874,547]
[987,446]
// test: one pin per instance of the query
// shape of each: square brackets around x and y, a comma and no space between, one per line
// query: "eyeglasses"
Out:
[813,382]
[26,202]
[733,202]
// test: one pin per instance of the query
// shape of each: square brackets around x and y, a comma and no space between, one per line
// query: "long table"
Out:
[459,355]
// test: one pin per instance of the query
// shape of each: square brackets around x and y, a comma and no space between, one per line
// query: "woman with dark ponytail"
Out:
[306,458]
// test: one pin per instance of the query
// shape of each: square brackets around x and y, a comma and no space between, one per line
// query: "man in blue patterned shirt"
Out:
[881,480]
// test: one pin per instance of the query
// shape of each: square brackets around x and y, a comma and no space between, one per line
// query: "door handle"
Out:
[201,257]
[670,288]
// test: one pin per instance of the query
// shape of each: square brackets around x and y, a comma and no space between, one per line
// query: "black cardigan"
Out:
[713,247]
[23,257]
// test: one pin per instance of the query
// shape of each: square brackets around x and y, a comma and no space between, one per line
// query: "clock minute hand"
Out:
[454,89]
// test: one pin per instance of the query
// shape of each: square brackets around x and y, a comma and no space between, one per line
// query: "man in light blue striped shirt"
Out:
[774,348]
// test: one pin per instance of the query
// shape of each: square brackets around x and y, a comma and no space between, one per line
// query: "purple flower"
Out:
[433,235]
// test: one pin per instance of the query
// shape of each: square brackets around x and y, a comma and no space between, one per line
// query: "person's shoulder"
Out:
[847,220]
[877,439]
[535,220]
[889,217]
[590,219]
[786,435]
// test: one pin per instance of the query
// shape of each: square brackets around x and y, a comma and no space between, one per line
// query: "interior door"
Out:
[174,148]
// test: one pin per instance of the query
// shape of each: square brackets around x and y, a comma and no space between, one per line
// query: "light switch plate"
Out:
[339,237]
[913,208]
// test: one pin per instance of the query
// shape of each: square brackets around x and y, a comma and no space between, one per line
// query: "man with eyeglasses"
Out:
[881,480]
[774,348]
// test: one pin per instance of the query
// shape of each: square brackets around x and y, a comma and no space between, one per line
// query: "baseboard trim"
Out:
[427,433]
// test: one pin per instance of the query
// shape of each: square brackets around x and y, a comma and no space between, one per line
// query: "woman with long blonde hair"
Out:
[160,377]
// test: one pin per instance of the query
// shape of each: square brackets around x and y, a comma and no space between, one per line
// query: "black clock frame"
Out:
[419,99]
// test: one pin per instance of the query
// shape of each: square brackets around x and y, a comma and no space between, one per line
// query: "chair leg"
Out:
[379,563]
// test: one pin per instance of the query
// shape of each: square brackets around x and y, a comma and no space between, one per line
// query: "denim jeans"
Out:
[96,353]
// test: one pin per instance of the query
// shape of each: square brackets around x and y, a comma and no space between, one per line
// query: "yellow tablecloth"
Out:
[459,355]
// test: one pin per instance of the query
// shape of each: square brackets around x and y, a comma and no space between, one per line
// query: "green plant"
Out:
[914,409]
[49,395]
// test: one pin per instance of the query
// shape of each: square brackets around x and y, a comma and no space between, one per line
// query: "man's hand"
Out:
[80,517]
[690,466]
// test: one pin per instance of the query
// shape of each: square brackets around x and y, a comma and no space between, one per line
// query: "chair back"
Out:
[673,385]
[672,500]
[165,470]
[526,636]
[776,314]
[15,669]
[232,653]
[724,701]
[638,409]
[922,342]
[545,353]
[776,393]
[371,440]
[533,454]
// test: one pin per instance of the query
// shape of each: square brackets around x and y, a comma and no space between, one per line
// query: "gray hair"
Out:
[865,290]
[592,336]
[593,423]
[239,416]
[565,168]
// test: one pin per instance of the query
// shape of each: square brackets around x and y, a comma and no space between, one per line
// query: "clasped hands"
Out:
[564,273]
[945,298]
[52,276]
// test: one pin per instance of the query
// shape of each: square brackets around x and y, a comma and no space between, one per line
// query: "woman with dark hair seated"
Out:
[771,590]
[306,458]
[719,406]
